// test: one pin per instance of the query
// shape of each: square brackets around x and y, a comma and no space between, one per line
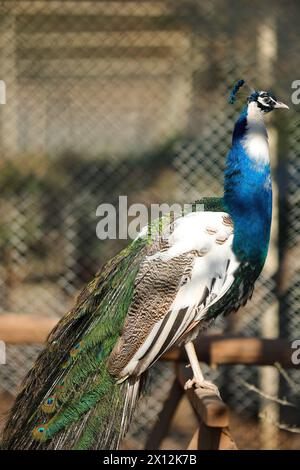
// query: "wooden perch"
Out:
[211,412]
[217,349]
[25,329]
[211,439]
[213,416]
[207,404]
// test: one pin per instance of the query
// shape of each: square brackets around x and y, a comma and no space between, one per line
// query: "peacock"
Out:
[171,282]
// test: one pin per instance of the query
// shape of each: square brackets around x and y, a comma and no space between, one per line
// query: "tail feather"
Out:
[69,398]
[104,426]
[133,390]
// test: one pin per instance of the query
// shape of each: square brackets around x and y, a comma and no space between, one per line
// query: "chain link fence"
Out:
[109,98]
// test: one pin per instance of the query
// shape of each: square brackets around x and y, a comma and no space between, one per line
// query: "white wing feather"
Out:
[205,234]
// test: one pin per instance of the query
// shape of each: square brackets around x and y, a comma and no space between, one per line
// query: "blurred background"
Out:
[109,98]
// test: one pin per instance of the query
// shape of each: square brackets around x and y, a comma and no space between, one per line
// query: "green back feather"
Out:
[70,379]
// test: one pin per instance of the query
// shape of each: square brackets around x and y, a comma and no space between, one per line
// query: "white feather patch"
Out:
[211,277]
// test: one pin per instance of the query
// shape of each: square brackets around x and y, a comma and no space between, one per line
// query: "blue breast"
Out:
[248,198]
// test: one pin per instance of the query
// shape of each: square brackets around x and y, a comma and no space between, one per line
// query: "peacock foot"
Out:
[204,384]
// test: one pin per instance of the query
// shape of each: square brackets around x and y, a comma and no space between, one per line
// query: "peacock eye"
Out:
[268,100]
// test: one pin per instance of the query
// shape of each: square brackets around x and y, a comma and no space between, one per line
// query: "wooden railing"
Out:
[211,412]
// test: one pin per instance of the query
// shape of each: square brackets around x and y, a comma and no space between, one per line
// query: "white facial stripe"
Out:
[265,102]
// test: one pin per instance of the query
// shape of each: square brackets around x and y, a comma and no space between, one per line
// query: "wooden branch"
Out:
[208,406]
[25,329]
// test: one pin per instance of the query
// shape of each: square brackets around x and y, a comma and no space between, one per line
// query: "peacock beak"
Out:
[281,105]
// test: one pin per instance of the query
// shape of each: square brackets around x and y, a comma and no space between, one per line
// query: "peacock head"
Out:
[265,100]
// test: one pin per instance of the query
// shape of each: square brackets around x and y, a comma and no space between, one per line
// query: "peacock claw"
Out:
[191,383]
[204,384]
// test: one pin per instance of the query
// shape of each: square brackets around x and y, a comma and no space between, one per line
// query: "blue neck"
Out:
[247,187]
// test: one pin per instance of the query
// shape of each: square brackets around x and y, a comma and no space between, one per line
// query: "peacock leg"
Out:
[198,378]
